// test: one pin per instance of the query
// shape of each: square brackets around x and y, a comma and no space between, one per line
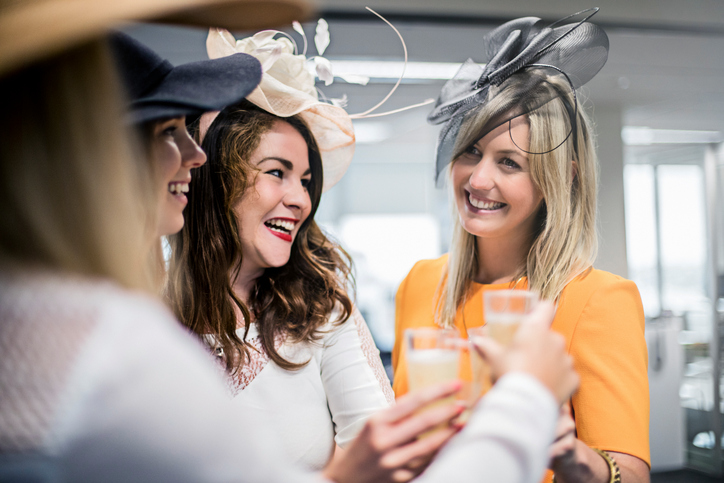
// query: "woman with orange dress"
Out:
[522,168]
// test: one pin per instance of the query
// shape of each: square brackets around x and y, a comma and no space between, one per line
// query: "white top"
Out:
[325,402]
[85,397]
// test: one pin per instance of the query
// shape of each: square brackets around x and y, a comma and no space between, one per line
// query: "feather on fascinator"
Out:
[572,52]
[288,88]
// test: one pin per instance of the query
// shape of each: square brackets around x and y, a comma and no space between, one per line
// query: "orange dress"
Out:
[602,319]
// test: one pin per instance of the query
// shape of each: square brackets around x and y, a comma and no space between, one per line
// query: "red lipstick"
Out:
[284,236]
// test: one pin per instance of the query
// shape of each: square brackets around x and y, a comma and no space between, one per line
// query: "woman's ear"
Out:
[574,170]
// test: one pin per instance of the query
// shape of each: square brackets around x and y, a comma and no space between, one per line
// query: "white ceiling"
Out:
[666,61]
[665,67]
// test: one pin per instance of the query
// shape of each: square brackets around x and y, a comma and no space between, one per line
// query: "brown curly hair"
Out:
[294,300]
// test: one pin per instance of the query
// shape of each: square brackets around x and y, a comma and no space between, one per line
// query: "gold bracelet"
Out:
[612,465]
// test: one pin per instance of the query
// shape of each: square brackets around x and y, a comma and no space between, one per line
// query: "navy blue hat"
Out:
[159,90]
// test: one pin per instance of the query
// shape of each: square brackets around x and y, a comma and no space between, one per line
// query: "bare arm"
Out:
[572,460]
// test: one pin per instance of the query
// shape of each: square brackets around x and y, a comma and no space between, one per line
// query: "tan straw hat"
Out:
[33,29]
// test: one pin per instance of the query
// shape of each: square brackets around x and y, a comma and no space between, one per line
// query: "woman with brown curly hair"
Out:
[253,274]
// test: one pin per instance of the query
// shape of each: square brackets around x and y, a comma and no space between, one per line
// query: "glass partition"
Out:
[673,224]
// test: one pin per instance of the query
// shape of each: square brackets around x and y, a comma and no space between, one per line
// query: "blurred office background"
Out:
[658,107]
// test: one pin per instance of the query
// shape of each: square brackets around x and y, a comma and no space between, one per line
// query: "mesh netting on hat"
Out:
[528,65]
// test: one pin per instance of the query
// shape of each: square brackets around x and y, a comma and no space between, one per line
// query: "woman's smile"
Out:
[483,205]
[178,188]
[282,227]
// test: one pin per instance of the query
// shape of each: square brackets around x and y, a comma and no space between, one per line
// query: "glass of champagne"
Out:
[441,355]
[504,311]
[433,356]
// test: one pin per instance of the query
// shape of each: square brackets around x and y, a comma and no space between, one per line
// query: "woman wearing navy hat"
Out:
[162,96]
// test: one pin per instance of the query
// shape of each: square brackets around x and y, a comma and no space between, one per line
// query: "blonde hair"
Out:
[73,194]
[564,243]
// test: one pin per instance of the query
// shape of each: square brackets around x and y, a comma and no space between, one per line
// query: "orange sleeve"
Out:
[611,407]
[399,367]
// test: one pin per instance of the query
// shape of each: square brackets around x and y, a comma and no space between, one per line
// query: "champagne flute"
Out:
[504,311]
[441,355]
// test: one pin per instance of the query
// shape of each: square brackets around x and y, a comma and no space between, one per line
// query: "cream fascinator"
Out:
[288,88]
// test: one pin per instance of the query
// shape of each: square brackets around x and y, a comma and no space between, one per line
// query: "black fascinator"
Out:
[559,58]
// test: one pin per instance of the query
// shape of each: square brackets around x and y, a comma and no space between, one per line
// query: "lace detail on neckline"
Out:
[258,359]
[372,354]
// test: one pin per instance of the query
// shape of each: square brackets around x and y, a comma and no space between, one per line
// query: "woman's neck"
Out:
[243,284]
[500,259]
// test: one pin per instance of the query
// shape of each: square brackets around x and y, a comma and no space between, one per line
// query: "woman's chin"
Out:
[478,228]
[276,260]
[170,225]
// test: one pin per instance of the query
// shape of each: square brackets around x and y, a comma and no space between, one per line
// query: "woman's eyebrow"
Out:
[287,164]
[513,151]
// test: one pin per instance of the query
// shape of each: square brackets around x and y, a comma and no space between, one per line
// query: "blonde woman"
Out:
[522,176]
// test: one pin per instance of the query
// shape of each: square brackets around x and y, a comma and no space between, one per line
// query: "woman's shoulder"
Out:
[601,299]
[594,281]
[90,339]
[416,295]
[66,299]
[425,273]
[432,265]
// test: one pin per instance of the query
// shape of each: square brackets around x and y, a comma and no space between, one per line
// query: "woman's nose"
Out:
[192,156]
[298,196]
[483,176]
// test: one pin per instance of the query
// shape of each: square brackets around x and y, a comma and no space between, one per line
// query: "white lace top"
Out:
[325,402]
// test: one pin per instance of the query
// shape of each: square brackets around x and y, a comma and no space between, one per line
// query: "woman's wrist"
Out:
[585,464]
[614,471]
